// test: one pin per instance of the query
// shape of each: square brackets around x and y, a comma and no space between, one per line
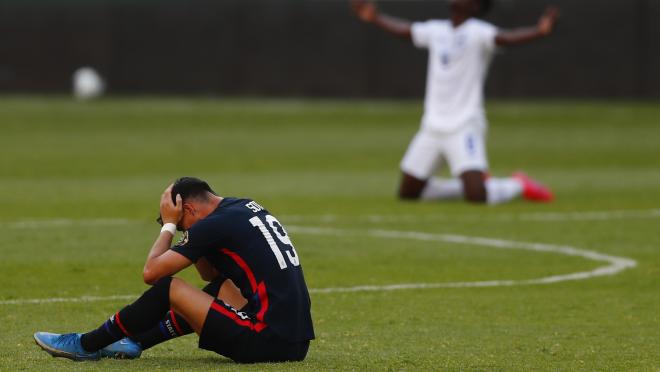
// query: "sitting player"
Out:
[454,124]
[263,317]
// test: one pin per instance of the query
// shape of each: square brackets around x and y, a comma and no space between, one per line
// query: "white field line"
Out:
[374,218]
[66,222]
[39,301]
[614,264]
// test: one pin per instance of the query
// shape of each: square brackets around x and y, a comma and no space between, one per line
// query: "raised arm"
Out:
[543,28]
[162,261]
[367,12]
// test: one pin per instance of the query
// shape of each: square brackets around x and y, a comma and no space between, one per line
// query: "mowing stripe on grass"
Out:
[502,217]
[615,264]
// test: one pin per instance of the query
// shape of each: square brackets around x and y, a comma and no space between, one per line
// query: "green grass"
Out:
[101,167]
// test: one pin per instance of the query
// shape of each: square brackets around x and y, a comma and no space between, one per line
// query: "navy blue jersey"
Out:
[249,246]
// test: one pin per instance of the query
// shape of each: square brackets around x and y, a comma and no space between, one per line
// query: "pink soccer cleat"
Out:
[533,190]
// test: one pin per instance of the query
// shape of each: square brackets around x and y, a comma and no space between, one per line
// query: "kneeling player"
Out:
[453,129]
[261,314]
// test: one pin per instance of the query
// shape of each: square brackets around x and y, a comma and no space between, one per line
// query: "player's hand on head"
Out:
[171,212]
[365,10]
[548,20]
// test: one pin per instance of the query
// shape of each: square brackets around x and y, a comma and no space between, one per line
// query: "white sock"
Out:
[501,190]
[442,189]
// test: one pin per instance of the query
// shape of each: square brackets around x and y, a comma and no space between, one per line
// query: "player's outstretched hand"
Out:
[548,20]
[170,212]
[365,10]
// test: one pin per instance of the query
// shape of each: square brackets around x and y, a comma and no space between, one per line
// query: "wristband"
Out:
[169,227]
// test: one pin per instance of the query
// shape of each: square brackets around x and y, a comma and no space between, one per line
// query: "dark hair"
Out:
[486,5]
[189,188]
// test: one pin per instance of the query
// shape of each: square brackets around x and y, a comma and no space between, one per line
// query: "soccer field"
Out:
[571,285]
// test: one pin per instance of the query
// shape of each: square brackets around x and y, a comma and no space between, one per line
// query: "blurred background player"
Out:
[454,125]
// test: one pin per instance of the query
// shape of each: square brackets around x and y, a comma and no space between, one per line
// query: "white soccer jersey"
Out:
[458,64]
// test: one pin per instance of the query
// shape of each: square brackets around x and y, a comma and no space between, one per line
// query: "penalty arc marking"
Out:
[613,264]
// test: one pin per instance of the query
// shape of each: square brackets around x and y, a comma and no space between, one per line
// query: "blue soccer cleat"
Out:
[122,349]
[65,346]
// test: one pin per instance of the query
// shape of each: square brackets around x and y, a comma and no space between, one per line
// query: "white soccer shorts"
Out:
[464,150]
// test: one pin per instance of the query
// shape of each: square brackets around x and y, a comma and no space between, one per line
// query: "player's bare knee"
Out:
[177,289]
[411,188]
[474,187]
[475,192]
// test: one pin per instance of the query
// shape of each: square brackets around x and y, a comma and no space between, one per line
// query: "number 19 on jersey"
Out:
[282,236]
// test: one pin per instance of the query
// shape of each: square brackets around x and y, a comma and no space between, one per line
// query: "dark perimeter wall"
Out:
[602,48]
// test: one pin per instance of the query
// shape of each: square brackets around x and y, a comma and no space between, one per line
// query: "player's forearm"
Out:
[519,36]
[161,245]
[396,26]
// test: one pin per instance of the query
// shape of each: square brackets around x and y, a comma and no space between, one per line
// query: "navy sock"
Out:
[135,318]
[172,325]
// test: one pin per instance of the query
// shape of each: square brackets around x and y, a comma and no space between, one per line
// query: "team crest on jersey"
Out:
[184,239]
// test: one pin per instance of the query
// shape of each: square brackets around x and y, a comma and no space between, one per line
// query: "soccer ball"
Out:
[87,84]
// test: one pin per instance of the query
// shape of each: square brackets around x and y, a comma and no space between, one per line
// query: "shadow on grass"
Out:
[180,359]
[191,362]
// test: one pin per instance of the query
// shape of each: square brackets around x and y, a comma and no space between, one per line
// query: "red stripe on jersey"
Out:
[260,288]
[121,326]
[257,327]
[243,265]
[263,298]
[176,325]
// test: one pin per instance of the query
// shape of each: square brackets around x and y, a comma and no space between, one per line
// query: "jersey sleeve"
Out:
[194,244]
[488,33]
[421,34]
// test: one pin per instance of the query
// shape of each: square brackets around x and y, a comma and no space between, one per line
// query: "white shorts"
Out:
[464,150]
